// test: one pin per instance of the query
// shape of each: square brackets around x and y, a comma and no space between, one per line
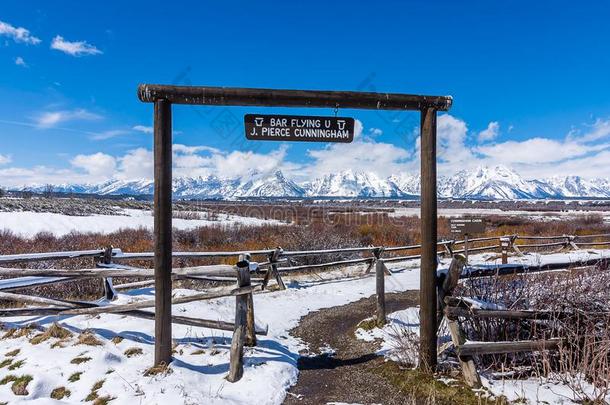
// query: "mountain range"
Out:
[488,183]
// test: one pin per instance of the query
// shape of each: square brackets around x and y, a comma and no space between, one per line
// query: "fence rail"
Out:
[109,262]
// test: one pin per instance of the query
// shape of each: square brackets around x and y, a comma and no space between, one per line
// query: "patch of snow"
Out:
[28,224]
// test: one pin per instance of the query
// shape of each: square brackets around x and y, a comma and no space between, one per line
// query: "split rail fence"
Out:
[251,277]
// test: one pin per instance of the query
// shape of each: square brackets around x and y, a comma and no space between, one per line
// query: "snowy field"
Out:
[201,354]
[533,215]
[28,224]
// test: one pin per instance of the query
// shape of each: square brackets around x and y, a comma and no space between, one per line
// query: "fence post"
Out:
[380,288]
[250,325]
[109,291]
[273,259]
[513,239]
[504,246]
[236,366]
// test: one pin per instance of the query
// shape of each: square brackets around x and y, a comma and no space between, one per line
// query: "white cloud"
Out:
[363,154]
[490,133]
[52,118]
[5,159]
[76,48]
[96,165]
[20,62]
[136,164]
[142,128]
[18,34]
[375,131]
[537,150]
[100,136]
[599,130]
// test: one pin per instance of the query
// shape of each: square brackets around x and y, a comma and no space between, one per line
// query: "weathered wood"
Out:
[163,230]
[505,244]
[449,283]
[516,268]
[180,320]
[213,270]
[135,284]
[427,300]
[454,312]
[236,364]
[380,293]
[186,255]
[219,293]
[37,257]
[204,95]
[322,265]
[32,299]
[272,271]
[469,369]
[480,348]
[244,282]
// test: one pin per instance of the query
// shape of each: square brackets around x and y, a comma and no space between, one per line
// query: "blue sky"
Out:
[529,79]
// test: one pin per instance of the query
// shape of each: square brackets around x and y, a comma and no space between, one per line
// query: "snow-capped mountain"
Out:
[493,183]
[352,184]
[275,185]
[497,182]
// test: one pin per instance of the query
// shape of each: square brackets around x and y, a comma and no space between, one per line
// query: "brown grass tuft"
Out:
[89,339]
[133,351]
[60,392]
[54,331]
[162,369]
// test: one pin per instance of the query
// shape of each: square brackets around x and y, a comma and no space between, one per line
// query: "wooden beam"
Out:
[480,348]
[225,96]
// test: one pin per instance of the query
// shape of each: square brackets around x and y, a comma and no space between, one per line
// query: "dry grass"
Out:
[89,339]
[117,339]
[133,351]
[80,360]
[74,377]
[93,395]
[14,333]
[20,383]
[13,353]
[53,331]
[60,393]
[161,369]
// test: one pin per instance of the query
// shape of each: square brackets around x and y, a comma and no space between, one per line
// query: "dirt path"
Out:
[352,374]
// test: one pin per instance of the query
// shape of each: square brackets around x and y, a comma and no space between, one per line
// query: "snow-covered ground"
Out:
[201,354]
[533,215]
[28,224]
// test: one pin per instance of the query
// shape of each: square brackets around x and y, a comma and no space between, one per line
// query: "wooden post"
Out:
[466,247]
[469,369]
[250,325]
[236,366]
[163,231]
[380,289]
[109,291]
[448,285]
[273,258]
[427,297]
[504,246]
